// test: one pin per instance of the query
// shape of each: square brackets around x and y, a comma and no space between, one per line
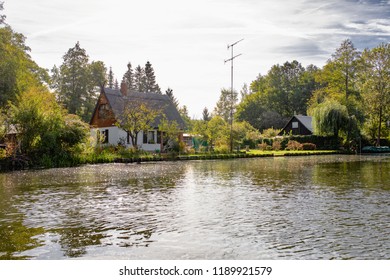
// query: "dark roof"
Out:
[306,121]
[156,101]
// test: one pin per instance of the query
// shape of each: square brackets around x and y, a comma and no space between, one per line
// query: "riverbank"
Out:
[23,163]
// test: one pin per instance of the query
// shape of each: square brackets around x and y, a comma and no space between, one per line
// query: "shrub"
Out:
[293,146]
[309,146]
[276,145]
[263,146]
[223,149]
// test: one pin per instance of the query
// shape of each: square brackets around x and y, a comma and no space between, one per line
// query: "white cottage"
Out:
[110,106]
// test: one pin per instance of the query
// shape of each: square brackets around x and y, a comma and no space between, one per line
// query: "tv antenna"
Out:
[231,59]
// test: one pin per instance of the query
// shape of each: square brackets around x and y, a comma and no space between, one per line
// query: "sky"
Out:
[186,41]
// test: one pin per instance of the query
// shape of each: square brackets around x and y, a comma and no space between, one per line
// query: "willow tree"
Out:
[376,86]
[330,118]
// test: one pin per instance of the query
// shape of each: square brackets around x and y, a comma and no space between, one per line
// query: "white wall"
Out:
[117,135]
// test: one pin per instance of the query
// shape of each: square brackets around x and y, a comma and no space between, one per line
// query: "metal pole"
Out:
[231,105]
[232,92]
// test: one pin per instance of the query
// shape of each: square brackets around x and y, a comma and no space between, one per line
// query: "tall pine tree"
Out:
[139,79]
[111,80]
[206,115]
[150,79]
[128,77]
[169,92]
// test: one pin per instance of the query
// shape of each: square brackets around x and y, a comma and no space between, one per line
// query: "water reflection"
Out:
[293,208]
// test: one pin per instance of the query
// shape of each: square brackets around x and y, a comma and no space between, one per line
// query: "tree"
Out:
[330,118]
[255,110]
[150,79]
[98,74]
[183,111]
[170,130]
[3,126]
[45,130]
[344,67]
[226,104]
[284,89]
[217,132]
[206,114]
[18,71]
[169,92]
[139,79]
[137,117]
[128,77]
[2,17]
[338,80]
[76,80]
[111,79]
[376,87]
[244,91]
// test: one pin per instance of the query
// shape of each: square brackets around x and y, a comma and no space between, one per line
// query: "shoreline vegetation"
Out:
[112,156]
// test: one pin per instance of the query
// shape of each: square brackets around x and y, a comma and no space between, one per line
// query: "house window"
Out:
[145,140]
[104,136]
[149,137]
[103,111]
[294,124]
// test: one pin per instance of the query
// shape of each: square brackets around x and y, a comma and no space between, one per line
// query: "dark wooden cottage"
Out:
[298,125]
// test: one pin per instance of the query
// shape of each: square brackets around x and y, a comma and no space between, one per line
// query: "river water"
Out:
[317,207]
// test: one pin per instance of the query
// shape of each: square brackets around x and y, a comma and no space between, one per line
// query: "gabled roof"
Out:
[155,101]
[306,121]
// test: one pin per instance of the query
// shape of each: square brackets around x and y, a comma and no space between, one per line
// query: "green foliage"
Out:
[206,115]
[254,109]
[17,70]
[170,130]
[270,132]
[2,17]
[330,118]
[136,117]
[183,111]
[283,92]
[226,104]
[169,93]
[46,133]
[76,82]
[150,79]
[244,134]
[375,82]
[3,127]
[128,77]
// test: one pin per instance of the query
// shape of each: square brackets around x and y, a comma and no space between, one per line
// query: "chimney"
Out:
[124,89]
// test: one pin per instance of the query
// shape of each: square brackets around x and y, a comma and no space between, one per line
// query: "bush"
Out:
[309,146]
[276,145]
[293,146]
[223,149]
[263,146]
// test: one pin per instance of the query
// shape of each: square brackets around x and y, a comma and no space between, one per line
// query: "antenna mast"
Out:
[231,93]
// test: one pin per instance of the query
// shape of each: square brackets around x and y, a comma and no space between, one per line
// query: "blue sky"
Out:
[186,41]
